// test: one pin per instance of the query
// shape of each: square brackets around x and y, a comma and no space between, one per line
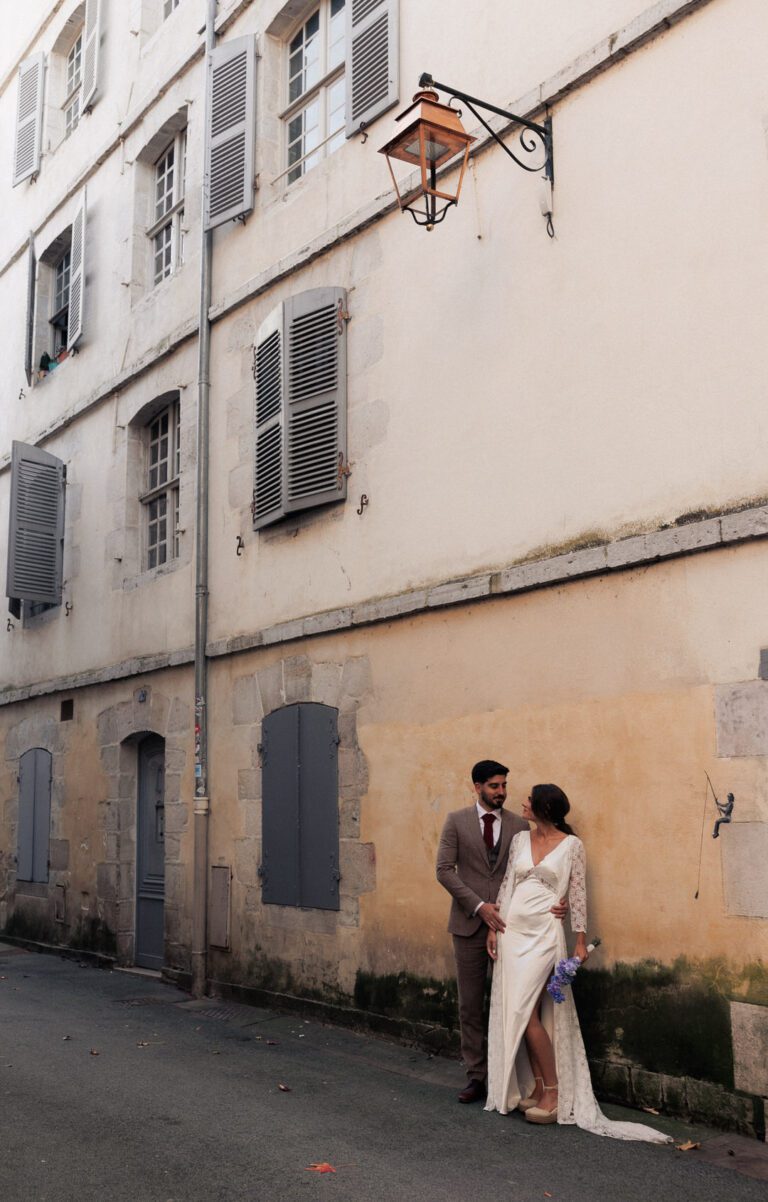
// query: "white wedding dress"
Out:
[527,954]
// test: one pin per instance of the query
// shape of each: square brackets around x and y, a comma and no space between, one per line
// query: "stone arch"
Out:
[120,729]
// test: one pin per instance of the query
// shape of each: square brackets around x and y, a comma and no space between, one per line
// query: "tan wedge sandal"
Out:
[529,1103]
[537,1115]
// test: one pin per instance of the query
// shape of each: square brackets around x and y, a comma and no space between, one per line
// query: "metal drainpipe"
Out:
[202,800]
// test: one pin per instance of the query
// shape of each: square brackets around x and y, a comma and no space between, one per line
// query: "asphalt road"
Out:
[117,1087]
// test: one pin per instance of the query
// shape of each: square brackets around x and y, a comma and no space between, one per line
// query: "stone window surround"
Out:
[343,685]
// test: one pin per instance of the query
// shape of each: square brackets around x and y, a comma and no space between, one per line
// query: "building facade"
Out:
[471,492]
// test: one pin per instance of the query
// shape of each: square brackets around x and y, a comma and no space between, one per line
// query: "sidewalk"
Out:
[117,1086]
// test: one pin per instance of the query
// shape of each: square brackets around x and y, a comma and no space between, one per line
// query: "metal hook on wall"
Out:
[240,545]
[363,503]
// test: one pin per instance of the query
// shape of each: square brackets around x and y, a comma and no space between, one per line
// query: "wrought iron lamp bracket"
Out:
[532,135]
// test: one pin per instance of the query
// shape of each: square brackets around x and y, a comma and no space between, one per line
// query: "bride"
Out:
[536,1057]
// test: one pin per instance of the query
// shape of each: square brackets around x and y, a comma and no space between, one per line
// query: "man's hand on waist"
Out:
[489,912]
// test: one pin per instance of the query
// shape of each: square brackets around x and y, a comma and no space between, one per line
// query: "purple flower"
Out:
[565,971]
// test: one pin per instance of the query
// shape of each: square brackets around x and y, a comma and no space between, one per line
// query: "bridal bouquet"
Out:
[564,973]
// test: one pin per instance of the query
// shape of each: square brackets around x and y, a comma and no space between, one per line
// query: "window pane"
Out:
[336,114]
[163,243]
[61,290]
[74,65]
[72,115]
[336,34]
[164,183]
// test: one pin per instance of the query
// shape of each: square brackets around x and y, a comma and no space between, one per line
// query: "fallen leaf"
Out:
[324,1167]
[285,1088]
[271,1043]
[546,1195]
[65,1037]
[650,1110]
[94,1052]
[688,1146]
[143,1043]
[731,1152]
[215,1053]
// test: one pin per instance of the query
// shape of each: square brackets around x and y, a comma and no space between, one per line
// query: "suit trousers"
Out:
[472,963]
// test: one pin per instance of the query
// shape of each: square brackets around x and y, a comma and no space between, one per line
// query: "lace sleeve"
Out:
[577,888]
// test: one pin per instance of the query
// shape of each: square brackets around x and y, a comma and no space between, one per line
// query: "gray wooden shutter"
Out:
[30,330]
[269,469]
[34,821]
[372,74]
[280,807]
[29,118]
[315,398]
[319,806]
[91,55]
[36,528]
[76,278]
[231,111]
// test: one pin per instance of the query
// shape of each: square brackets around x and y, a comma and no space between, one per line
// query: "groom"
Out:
[471,862]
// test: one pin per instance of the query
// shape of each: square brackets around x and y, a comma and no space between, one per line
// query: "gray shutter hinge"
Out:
[261,873]
[254,362]
[342,315]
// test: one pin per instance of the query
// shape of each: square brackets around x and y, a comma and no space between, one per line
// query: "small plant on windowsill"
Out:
[62,355]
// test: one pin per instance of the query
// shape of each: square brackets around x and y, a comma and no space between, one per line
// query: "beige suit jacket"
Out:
[463,868]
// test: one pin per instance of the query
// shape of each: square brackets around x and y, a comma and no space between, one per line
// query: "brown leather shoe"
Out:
[473,1091]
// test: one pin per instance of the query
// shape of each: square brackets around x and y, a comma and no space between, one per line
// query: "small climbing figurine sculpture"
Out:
[725,810]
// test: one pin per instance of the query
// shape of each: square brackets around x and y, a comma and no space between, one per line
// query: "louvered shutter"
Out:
[76,278]
[269,471]
[29,118]
[91,55]
[231,111]
[36,528]
[30,329]
[373,68]
[315,398]
[280,807]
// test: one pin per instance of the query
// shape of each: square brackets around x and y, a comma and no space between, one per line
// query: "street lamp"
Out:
[434,135]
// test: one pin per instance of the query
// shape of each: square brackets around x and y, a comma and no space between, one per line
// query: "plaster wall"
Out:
[508,393]
[549,684]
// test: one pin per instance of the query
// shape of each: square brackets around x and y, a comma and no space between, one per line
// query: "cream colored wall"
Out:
[605,687]
[507,393]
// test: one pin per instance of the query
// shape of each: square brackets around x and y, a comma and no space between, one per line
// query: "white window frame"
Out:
[160,501]
[166,234]
[73,68]
[328,79]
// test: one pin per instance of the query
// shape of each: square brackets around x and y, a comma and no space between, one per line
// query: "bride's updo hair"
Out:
[550,804]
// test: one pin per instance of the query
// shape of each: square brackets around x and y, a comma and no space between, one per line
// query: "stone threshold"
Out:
[712,533]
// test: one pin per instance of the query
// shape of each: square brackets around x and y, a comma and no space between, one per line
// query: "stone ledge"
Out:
[692,538]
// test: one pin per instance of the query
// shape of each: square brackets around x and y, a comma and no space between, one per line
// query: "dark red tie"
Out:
[488,832]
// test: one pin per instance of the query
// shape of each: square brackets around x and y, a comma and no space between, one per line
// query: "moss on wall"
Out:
[400,995]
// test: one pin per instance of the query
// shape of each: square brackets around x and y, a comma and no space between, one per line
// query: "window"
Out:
[168,7]
[161,498]
[300,807]
[300,368]
[56,297]
[167,232]
[316,89]
[34,825]
[73,85]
